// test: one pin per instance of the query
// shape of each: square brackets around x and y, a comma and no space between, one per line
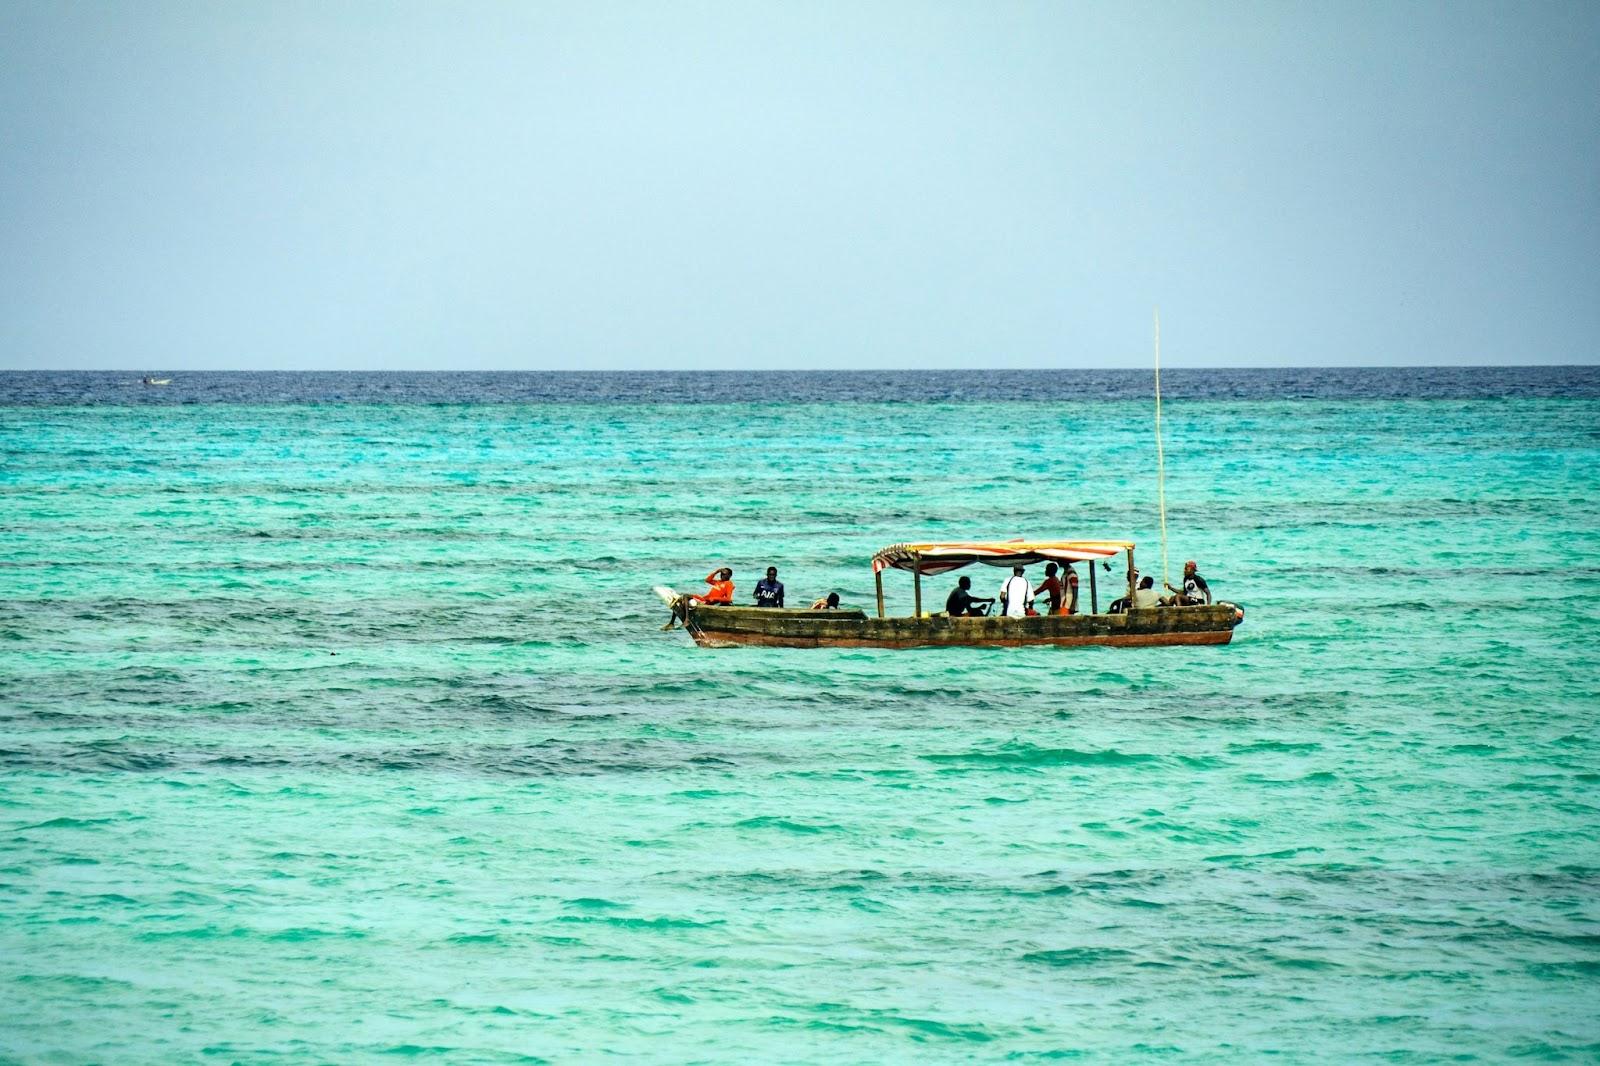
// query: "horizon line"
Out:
[787,370]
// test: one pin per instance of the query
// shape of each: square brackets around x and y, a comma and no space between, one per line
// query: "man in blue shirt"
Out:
[769,590]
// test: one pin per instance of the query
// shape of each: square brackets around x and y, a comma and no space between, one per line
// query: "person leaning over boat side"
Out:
[1016,594]
[1195,591]
[962,603]
[721,592]
[769,590]
[830,603]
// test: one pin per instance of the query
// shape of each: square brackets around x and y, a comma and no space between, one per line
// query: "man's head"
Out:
[1189,567]
[1050,569]
[833,599]
[965,582]
[772,572]
[1147,582]
[1017,570]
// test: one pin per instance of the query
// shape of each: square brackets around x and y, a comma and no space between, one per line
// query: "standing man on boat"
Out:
[1195,591]
[1051,587]
[1016,594]
[769,590]
[1059,588]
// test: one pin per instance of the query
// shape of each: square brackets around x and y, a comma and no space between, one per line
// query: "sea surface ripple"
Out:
[337,722]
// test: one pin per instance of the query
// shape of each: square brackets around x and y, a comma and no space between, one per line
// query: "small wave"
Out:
[1285,746]
[1078,956]
[593,903]
[639,923]
[1286,853]
[70,823]
[202,932]
[82,982]
[1300,962]
[302,934]
[96,757]
[1023,755]
[774,822]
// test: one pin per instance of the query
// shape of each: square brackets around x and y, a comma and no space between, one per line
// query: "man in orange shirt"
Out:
[1051,587]
[721,591]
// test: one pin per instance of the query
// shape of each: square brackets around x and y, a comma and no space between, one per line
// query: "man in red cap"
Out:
[1195,591]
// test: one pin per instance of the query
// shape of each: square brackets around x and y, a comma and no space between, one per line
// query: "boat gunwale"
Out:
[734,625]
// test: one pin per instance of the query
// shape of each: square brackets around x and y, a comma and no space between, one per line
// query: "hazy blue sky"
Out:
[681,185]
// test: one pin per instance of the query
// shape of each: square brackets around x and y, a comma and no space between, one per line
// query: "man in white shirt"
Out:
[1015,594]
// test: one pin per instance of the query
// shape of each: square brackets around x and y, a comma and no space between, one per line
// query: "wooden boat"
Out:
[717,626]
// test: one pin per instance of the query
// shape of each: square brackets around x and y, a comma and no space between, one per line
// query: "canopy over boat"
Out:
[942,558]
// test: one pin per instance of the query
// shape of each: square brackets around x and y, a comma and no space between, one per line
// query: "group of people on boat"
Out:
[1017,597]
[1194,593]
[769,591]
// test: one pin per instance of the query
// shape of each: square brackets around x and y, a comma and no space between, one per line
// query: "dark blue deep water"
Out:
[868,386]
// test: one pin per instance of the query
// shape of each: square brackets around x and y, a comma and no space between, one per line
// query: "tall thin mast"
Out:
[1161,459]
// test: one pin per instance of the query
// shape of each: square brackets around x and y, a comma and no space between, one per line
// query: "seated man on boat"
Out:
[831,603]
[721,591]
[1144,597]
[1120,604]
[962,603]
[769,590]
[1195,591]
[1016,594]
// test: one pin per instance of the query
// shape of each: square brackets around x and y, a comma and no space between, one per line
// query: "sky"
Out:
[657,185]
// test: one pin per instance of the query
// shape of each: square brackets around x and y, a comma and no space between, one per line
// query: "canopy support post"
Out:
[1132,579]
[1094,597]
[916,584]
[877,575]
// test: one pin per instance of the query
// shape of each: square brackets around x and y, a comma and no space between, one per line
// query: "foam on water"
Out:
[332,729]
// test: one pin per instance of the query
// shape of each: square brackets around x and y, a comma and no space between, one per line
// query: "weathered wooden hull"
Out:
[729,626]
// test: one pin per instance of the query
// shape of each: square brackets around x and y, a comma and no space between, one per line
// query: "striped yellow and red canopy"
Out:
[942,558]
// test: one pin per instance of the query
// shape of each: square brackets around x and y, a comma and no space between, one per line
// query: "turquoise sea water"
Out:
[337,731]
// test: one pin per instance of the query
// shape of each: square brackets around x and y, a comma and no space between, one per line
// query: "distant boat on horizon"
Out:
[147,380]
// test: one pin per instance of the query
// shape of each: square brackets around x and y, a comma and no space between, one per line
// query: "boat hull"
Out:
[734,626]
